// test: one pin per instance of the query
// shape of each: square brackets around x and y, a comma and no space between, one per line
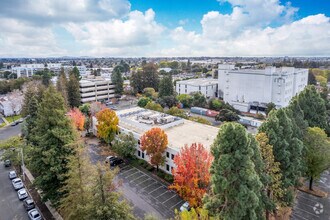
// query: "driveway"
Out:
[11,208]
[10,131]
[309,207]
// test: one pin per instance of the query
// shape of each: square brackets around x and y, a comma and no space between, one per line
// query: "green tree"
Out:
[317,154]
[62,86]
[227,115]
[117,80]
[235,184]
[154,106]
[185,99]
[74,97]
[124,145]
[269,107]
[85,109]
[76,73]
[166,86]
[150,93]
[148,77]
[198,99]
[53,134]
[143,101]
[167,101]
[175,111]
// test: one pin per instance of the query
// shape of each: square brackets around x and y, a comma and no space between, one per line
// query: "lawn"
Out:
[11,119]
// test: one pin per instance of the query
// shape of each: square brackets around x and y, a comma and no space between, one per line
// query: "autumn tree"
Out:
[125,145]
[191,175]
[107,125]
[273,186]
[235,184]
[317,153]
[154,142]
[77,118]
[194,214]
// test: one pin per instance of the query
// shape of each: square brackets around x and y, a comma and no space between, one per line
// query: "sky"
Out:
[164,28]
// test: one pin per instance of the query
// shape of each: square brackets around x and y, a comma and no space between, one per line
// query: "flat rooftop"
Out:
[179,131]
[199,82]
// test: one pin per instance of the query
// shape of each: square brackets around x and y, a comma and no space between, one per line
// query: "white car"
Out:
[12,174]
[22,194]
[34,214]
[185,206]
[17,183]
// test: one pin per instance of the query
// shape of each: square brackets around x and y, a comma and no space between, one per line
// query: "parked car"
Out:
[12,174]
[109,158]
[14,123]
[22,194]
[7,163]
[34,214]
[28,204]
[17,183]
[116,161]
[185,206]
[113,108]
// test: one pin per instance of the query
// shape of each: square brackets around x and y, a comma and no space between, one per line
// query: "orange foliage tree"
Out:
[191,175]
[154,142]
[107,125]
[78,118]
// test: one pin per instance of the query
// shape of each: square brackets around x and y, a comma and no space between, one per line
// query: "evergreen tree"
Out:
[53,134]
[76,73]
[117,80]
[166,86]
[74,97]
[61,86]
[235,184]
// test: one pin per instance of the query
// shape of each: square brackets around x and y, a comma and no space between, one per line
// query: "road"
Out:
[10,131]
[10,206]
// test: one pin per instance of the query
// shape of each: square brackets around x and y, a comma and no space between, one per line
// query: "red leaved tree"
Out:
[154,142]
[78,118]
[191,175]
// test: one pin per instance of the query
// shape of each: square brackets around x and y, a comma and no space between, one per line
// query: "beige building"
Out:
[96,90]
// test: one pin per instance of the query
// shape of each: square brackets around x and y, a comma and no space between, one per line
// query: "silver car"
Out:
[12,174]
[22,194]
[34,214]
[17,183]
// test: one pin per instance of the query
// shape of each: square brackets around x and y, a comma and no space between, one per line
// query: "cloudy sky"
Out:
[133,28]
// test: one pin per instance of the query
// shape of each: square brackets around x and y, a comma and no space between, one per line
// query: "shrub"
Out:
[161,174]
[168,178]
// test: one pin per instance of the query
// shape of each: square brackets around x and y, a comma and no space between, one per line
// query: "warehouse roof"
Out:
[199,82]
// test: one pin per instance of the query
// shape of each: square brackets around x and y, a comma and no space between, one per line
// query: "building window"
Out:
[172,156]
[199,88]
[167,167]
[143,155]
[139,153]
[167,154]
[185,86]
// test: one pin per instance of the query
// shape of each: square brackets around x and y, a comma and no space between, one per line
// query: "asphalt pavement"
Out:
[11,208]
[9,131]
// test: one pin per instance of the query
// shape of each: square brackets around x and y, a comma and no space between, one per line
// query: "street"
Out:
[11,208]
[10,131]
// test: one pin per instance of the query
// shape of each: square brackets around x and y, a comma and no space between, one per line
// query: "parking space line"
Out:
[125,171]
[307,198]
[295,214]
[169,198]
[130,175]
[308,212]
[136,178]
[162,194]
[155,189]
[145,181]
[150,184]
[176,204]
[305,204]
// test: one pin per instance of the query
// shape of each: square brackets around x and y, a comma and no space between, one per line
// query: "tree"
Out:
[148,77]
[226,115]
[311,78]
[85,109]
[74,97]
[317,153]
[235,185]
[198,99]
[269,107]
[154,142]
[150,93]
[167,101]
[193,214]
[185,99]
[107,125]
[175,111]
[76,73]
[215,104]
[117,80]
[166,86]
[143,101]
[53,135]
[273,186]
[125,145]
[287,149]
[154,106]
[77,118]
[191,175]
[96,107]
[62,86]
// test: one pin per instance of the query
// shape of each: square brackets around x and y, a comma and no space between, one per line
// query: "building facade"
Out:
[251,89]
[96,90]
[208,87]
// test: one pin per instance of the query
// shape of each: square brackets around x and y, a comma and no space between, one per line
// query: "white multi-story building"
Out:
[208,87]
[96,90]
[249,89]
[179,131]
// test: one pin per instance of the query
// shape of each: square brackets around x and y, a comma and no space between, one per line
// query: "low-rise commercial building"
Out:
[96,90]
[180,132]
[208,87]
[251,89]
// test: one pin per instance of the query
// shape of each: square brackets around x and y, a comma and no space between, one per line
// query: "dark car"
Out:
[28,204]
[116,161]
[14,123]
[7,163]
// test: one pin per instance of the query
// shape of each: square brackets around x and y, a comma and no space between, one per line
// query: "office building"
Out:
[96,89]
[208,87]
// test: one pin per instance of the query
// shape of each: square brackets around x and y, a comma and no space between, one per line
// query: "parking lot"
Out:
[309,207]
[151,190]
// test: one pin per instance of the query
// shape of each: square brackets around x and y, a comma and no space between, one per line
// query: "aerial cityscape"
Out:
[164,110]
